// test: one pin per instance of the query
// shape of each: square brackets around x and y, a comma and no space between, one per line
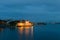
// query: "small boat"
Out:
[26,23]
[16,23]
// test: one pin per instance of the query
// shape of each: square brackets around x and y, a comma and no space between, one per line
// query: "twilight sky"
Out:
[40,10]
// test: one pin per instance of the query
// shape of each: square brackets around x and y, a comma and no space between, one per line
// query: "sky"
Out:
[40,10]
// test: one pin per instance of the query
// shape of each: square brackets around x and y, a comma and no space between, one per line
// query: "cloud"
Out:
[31,7]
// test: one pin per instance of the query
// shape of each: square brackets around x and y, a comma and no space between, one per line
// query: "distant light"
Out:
[20,24]
[25,24]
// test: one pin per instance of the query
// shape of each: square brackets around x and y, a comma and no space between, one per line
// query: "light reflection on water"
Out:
[20,33]
[26,33]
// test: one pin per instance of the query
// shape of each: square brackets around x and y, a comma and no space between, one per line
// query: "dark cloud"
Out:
[16,8]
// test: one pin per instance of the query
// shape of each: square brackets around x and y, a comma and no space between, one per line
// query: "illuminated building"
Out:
[24,24]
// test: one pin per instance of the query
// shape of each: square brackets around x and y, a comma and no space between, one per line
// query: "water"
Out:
[20,33]
[47,32]
[8,34]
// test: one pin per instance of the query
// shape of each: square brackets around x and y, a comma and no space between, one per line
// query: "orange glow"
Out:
[20,24]
[21,29]
[27,30]
[26,24]
[26,21]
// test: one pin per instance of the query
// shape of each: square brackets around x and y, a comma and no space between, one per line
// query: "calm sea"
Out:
[46,32]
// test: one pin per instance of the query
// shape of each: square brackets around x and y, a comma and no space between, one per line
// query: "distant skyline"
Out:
[30,9]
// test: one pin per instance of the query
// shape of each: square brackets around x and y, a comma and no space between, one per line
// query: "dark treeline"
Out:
[14,22]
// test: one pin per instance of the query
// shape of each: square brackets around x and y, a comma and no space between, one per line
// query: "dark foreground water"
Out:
[47,32]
